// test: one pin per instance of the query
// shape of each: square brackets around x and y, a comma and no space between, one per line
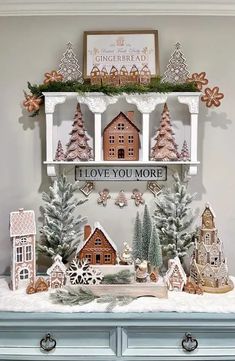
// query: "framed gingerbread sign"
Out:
[122,51]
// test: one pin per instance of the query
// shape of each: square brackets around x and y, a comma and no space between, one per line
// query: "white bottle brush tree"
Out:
[61,230]
[174,218]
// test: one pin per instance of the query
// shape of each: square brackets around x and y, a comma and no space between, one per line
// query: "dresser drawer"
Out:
[79,341]
[166,342]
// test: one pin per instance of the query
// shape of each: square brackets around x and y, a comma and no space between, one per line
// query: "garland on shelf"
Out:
[155,86]
[80,296]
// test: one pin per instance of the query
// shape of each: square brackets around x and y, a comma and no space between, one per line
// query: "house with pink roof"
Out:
[23,236]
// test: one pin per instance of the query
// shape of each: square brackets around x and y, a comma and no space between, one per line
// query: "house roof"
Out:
[98,226]
[22,223]
[126,117]
[208,207]
[172,264]
[57,263]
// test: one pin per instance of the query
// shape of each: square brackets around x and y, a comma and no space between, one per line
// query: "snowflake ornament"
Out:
[138,197]
[212,97]
[199,79]
[78,272]
[52,77]
[94,276]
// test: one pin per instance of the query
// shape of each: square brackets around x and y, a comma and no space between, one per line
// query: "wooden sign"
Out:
[106,173]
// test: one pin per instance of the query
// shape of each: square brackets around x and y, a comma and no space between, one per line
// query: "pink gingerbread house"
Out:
[23,236]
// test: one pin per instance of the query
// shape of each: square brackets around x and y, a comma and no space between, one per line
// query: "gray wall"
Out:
[31,46]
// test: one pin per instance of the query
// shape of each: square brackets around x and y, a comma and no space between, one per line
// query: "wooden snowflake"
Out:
[212,97]
[138,197]
[52,77]
[78,272]
[94,276]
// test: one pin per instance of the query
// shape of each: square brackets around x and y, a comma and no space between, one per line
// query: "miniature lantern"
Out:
[145,75]
[114,76]
[134,76]
[95,76]
[124,76]
[22,233]
[104,76]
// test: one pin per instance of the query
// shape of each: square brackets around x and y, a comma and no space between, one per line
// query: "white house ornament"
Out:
[69,66]
[87,188]
[175,277]
[121,199]
[177,68]
[23,237]
[57,273]
[138,197]
[103,197]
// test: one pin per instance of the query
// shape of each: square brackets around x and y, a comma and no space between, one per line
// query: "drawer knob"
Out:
[47,343]
[189,343]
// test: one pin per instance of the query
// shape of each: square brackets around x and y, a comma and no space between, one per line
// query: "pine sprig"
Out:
[80,296]
[122,277]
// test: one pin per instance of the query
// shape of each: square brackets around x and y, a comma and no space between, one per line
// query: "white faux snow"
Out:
[19,301]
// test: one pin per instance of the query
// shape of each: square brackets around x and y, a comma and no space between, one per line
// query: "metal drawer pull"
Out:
[189,343]
[48,343]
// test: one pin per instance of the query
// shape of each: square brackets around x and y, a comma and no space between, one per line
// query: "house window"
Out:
[88,257]
[130,151]
[111,151]
[107,258]
[208,238]
[98,242]
[28,253]
[121,154]
[121,139]
[111,139]
[130,138]
[24,274]
[121,126]
[23,240]
[19,254]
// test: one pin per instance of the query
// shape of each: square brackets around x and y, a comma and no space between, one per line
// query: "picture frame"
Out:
[128,48]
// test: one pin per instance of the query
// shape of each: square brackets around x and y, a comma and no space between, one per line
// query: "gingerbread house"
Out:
[97,247]
[124,75]
[209,265]
[121,139]
[95,76]
[104,76]
[23,236]
[175,277]
[145,75]
[134,76]
[57,273]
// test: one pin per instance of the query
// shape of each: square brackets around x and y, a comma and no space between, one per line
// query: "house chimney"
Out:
[87,231]
[130,115]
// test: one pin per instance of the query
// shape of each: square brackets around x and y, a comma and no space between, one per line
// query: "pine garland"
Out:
[122,277]
[156,86]
[80,296]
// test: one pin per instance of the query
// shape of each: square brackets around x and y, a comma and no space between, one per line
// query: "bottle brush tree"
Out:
[146,232]
[173,218]
[155,250]
[61,230]
[137,239]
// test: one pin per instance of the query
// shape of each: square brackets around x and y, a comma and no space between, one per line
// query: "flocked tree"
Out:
[78,148]
[137,239]
[173,219]
[146,232]
[155,250]
[165,148]
[61,230]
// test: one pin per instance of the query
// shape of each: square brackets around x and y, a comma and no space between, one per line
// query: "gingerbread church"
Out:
[209,265]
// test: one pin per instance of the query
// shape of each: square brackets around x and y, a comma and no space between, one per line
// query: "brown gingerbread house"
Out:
[98,248]
[121,139]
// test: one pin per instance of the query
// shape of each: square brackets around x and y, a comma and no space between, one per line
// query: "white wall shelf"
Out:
[98,104]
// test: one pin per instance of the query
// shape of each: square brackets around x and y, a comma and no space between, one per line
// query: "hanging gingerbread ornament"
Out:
[138,197]
[31,102]
[154,187]
[212,97]
[87,188]
[199,79]
[52,77]
[121,200]
[104,196]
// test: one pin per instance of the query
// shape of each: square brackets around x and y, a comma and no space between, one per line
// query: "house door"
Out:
[97,258]
[23,277]
[121,153]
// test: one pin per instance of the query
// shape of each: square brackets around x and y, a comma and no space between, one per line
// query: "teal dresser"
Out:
[117,336]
